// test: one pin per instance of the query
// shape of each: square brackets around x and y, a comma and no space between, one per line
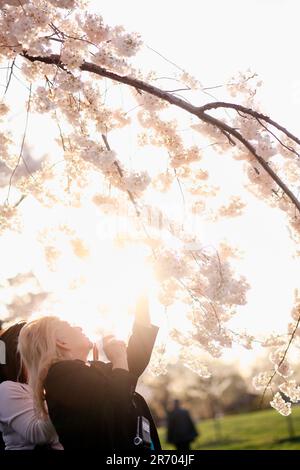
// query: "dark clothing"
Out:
[140,346]
[83,404]
[137,406]
[183,446]
[181,429]
[2,445]
[91,407]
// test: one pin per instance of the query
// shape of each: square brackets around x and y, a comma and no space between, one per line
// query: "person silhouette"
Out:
[181,429]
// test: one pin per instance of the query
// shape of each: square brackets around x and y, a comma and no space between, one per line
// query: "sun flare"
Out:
[102,293]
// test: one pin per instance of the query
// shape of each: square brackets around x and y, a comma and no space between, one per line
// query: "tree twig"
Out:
[22,147]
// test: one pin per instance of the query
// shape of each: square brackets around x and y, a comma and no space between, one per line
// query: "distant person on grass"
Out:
[181,429]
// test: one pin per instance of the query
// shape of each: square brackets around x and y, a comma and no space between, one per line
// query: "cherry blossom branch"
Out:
[251,112]
[282,360]
[277,138]
[195,110]
[139,85]
[252,150]
[120,171]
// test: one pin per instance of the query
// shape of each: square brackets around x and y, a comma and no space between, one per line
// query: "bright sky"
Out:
[213,40]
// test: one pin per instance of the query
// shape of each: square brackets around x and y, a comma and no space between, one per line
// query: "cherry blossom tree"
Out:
[68,59]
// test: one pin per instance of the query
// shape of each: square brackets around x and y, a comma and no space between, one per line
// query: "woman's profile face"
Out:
[72,339]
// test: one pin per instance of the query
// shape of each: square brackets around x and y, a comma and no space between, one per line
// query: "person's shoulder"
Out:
[66,376]
[72,369]
[62,368]
[187,414]
[12,390]
[10,385]
[68,364]
[73,381]
[7,384]
[14,398]
[103,367]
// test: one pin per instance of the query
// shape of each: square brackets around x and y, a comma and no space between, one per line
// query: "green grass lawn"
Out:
[256,430]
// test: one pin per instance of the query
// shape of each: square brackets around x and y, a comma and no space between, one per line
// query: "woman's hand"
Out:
[116,352]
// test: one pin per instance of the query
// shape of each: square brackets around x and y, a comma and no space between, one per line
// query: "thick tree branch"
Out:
[195,110]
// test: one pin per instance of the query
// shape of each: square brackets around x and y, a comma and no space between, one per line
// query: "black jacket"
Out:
[91,407]
[180,426]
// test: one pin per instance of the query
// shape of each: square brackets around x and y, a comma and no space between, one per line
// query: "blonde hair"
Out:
[38,349]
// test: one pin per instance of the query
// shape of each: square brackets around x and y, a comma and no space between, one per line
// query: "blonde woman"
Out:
[90,404]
